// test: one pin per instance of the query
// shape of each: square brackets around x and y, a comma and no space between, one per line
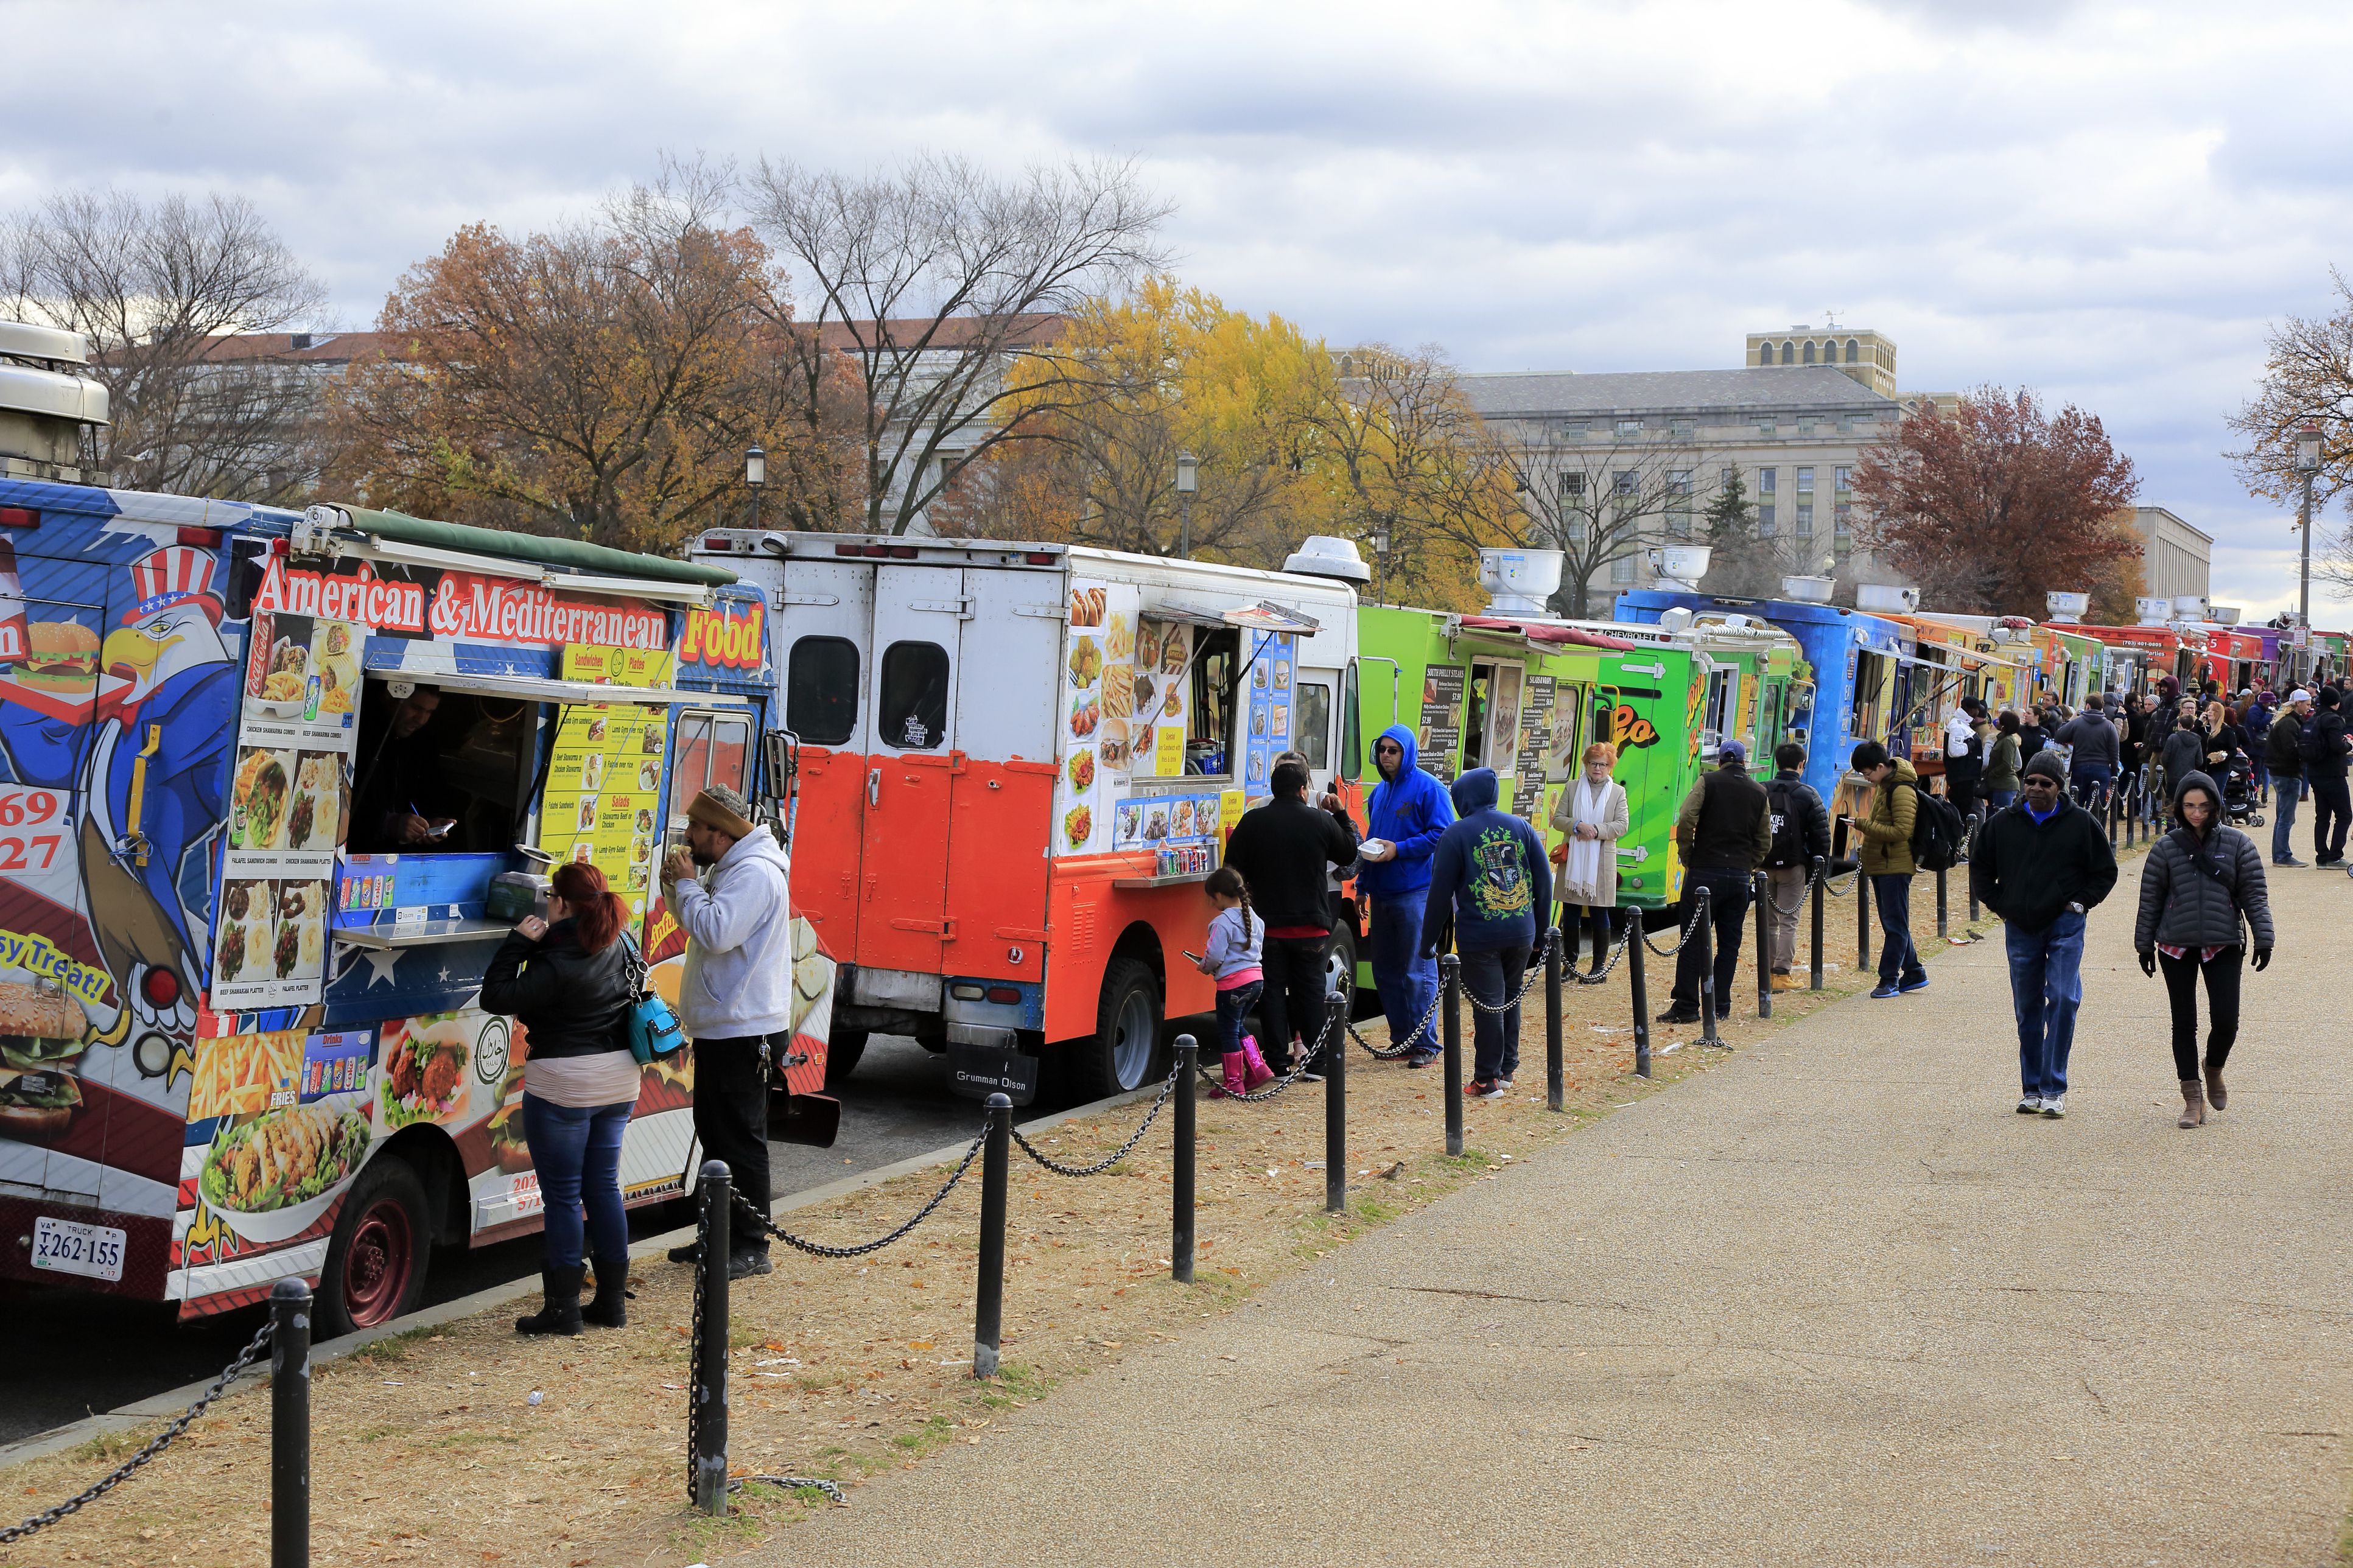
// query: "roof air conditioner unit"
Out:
[1518,581]
[1808,590]
[2224,614]
[1325,555]
[1680,565]
[1675,622]
[2153,611]
[1886,599]
[2191,607]
[2067,606]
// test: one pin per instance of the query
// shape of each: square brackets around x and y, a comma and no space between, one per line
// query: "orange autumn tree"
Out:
[601,381]
[1998,503]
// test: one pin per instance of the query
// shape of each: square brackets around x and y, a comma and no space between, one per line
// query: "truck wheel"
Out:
[377,1256]
[1121,1054]
[843,1050]
[1340,968]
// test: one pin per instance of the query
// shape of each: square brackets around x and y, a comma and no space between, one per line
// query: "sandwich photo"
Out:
[42,1031]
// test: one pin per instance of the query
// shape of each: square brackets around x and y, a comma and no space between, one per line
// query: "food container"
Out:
[514,894]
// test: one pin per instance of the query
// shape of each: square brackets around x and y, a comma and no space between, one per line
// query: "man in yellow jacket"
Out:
[1887,861]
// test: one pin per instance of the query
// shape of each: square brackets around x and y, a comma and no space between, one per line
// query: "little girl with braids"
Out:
[1235,938]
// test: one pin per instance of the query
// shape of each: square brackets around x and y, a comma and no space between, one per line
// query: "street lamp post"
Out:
[755,475]
[1380,540]
[2307,463]
[1188,479]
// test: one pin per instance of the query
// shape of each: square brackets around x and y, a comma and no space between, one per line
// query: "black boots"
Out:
[560,1315]
[610,1308]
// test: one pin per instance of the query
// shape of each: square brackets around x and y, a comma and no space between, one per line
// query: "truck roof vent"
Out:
[44,408]
[1329,555]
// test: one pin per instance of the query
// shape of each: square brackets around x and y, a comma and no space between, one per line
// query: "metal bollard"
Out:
[1975,823]
[1640,984]
[1765,923]
[1820,870]
[1554,959]
[1861,916]
[1704,930]
[1450,990]
[1336,1106]
[290,1424]
[708,1378]
[1180,1202]
[988,1305]
[1940,901]
[2108,804]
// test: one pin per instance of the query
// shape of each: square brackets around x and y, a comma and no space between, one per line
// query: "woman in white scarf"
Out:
[1592,814]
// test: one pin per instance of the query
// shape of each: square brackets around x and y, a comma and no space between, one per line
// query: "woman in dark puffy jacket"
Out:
[2198,882]
[567,979]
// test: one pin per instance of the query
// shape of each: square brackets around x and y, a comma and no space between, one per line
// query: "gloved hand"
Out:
[2148,962]
[2262,959]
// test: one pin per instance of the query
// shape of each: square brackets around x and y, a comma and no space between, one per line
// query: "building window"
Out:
[1843,480]
[1729,477]
[1767,427]
[1621,571]
[1842,522]
[1805,519]
[1788,354]
[1683,429]
[1854,351]
[1572,486]
[1805,426]
[1805,486]
[1679,503]
[1623,485]
[1810,352]
[1575,429]
[1764,353]
[1765,523]
[1629,428]
[1766,480]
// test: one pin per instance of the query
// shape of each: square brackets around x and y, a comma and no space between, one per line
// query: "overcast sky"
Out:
[2106,203]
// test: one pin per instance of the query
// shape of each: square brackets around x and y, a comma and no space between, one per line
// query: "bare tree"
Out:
[1601,501]
[933,278]
[2307,380]
[160,289]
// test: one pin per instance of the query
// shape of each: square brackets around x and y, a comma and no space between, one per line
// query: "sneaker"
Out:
[2029,1105]
[744,1265]
[2292,861]
[1483,1089]
[1420,1059]
[1309,1075]
[2054,1106]
[1883,992]
[1504,1081]
[1911,985]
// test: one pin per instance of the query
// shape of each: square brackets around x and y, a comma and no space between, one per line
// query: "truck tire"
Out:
[843,1050]
[1340,968]
[377,1257]
[1125,1047]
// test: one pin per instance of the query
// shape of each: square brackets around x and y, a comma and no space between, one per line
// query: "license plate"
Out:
[95,1250]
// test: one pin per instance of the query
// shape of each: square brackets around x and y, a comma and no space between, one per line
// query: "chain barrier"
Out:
[1116,1155]
[1306,1059]
[1616,952]
[693,1404]
[162,1440]
[831,1489]
[1688,926]
[1396,1051]
[1527,984]
[766,1227]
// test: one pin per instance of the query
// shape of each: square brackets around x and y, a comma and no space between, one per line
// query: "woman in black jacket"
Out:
[567,979]
[2200,879]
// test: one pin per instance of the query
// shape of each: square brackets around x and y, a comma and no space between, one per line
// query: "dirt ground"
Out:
[426,1448]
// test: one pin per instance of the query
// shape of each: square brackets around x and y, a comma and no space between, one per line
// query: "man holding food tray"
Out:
[735,998]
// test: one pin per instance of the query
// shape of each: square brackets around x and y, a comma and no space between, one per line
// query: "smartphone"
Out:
[1194,956]
[440,828]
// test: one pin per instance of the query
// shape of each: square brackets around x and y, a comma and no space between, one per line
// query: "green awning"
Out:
[572,553]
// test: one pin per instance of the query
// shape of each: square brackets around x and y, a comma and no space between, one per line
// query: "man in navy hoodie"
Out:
[1408,814]
[1491,865]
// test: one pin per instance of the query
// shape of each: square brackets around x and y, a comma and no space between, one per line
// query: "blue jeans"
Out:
[576,1152]
[1492,977]
[1233,1006]
[1899,961]
[2284,804]
[1406,982]
[2086,778]
[2046,987]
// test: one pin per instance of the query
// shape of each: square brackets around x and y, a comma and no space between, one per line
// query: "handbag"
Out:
[651,1028]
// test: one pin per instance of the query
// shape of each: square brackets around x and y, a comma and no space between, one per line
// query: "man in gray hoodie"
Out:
[735,998]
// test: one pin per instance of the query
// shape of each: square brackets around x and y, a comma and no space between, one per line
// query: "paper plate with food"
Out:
[424,1069]
[256,813]
[1086,712]
[1081,768]
[270,1179]
[1078,824]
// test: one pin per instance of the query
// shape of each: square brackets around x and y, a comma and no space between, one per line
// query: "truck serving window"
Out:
[1312,729]
[441,757]
[821,691]
[911,710]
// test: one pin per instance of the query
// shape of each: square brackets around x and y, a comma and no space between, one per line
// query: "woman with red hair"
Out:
[567,978]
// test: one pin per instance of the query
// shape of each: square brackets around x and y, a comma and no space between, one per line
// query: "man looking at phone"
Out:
[400,801]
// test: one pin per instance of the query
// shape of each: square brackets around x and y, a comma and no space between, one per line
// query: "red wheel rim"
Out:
[378,1263]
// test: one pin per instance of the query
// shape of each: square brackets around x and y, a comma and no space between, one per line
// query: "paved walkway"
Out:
[1832,1303]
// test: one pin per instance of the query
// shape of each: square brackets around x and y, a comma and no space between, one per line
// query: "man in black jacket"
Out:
[2285,752]
[2041,865]
[1724,833]
[2323,774]
[1283,850]
[1800,826]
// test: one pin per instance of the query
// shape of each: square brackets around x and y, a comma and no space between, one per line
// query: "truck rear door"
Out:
[1002,796]
[824,627]
[912,695]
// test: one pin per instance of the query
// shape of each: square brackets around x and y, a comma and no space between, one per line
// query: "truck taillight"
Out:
[716,542]
[1005,993]
[850,550]
[19,517]
[1039,558]
[202,538]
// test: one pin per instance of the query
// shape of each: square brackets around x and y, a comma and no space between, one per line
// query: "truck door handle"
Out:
[874,787]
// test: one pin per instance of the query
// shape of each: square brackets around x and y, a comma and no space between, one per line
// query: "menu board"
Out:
[1441,733]
[604,780]
[1098,707]
[1529,767]
[289,803]
[1267,734]
[1163,650]
[1154,822]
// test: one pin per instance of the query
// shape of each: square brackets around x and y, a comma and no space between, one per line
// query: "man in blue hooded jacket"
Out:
[1408,814]
[1492,866]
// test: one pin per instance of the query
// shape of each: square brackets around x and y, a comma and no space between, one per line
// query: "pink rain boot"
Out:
[1232,1086]
[1260,1073]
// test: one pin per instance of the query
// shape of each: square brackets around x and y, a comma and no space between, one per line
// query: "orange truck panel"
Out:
[825,839]
[996,902]
[903,869]
[1091,914]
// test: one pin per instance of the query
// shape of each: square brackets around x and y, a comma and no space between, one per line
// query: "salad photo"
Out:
[273,1177]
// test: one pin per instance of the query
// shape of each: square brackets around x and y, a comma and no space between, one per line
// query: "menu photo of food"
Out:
[1111,746]
[592,770]
[1089,605]
[1081,771]
[1078,826]
[270,1177]
[300,943]
[1086,661]
[314,820]
[335,661]
[271,943]
[1128,830]
[422,1067]
[61,657]
[241,1075]
[258,799]
[241,945]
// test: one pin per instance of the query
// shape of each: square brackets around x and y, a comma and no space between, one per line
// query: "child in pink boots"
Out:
[1235,938]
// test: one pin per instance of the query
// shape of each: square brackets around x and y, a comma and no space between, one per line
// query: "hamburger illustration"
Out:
[63,653]
[41,1039]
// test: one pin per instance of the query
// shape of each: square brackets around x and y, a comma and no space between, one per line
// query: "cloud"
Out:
[2105,202]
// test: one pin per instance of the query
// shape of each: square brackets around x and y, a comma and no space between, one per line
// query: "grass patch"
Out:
[110,1446]
[394,1347]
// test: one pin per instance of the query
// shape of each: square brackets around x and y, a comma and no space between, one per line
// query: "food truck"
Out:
[276,786]
[2161,649]
[1015,766]
[1951,658]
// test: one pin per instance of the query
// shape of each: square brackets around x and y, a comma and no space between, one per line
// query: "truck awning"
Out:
[541,689]
[1539,631]
[572,556]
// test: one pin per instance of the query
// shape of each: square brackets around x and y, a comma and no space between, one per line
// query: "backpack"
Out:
[1789,836]
[1936,832]
[2307,741]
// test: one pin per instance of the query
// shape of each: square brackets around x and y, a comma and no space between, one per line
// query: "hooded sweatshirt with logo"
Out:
[1412,812]
[1491,870]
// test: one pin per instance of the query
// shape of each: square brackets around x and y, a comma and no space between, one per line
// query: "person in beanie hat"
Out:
[1724,829]
[2285,755]
[2041,865]
[2324,779]
[729,888]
